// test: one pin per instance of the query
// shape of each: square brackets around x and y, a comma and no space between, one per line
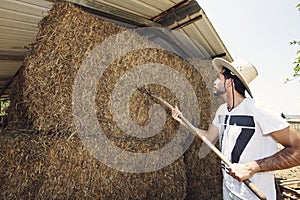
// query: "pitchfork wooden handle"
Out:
[254,189]
[199,135]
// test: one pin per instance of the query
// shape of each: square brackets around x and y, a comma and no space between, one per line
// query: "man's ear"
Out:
[228,82]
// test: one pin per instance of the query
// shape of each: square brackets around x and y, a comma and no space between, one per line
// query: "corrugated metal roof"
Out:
[19,25]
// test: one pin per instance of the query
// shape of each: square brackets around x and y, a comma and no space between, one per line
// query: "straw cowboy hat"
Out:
[244,70]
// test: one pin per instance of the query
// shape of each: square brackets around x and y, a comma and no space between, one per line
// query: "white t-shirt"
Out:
[244,137]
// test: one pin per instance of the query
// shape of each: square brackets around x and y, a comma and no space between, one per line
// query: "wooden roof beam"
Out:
[12,57]
[101,9]
[179,12]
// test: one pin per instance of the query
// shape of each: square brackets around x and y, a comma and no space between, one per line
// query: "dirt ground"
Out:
[291,173]
[289,176]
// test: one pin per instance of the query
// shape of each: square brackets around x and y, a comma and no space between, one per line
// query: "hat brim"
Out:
[219,63]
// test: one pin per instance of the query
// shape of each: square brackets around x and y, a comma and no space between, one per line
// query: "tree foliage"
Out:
[297,59]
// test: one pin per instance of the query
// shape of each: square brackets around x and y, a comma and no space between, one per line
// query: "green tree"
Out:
[297,59]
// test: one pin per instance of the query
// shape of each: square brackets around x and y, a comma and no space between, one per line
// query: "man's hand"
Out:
[175,114]
[242,172]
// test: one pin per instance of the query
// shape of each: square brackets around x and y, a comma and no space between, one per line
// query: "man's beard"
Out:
[219,92]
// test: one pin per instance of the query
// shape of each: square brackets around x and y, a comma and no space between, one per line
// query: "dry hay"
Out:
[49,167]
[42,101]
[203,166]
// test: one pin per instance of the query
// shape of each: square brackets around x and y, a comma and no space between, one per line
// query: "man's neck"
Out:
[238,99]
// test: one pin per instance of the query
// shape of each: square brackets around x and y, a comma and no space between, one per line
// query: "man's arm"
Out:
[286,158]
[211,134]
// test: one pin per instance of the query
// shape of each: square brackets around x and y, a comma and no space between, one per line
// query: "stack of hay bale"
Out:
[47,163]
[50,167]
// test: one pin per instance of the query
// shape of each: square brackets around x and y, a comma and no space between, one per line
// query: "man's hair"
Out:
[238,85]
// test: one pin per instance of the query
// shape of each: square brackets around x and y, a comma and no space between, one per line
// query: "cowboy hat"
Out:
[244,70]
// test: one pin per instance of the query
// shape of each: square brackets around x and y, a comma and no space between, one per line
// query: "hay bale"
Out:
[42,94]
[48,167]
[44,87]
[203,166]
[42,101]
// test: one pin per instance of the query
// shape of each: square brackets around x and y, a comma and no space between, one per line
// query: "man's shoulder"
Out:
[222,109]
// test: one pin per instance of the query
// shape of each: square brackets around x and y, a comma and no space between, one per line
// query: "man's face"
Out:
[219,88]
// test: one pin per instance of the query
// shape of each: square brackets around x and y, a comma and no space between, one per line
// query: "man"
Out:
[248,134]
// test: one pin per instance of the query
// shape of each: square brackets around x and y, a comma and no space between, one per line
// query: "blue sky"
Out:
[260,32]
